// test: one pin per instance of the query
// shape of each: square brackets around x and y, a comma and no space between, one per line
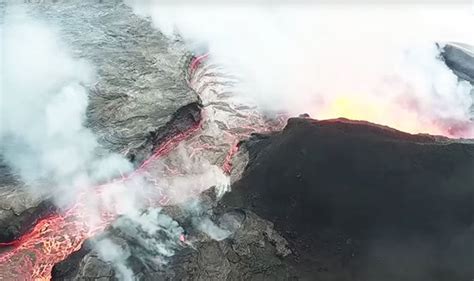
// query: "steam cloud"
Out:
[44,100]
[377,63]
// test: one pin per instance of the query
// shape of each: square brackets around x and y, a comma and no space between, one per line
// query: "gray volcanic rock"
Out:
[19,210]
[141,74]
[254,251]
[460,58]
[140,97]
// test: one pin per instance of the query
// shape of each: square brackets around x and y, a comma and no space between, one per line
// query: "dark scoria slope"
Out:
[362,202]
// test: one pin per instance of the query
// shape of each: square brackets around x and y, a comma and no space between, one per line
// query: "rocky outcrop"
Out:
[141,75]
[19,210]
[460,58]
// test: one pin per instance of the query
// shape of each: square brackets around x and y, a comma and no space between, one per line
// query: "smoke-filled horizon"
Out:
[371,62]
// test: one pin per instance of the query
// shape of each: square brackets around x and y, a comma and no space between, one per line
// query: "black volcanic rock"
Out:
[357,201]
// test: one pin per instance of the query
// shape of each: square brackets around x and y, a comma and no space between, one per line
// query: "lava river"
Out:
[213,141]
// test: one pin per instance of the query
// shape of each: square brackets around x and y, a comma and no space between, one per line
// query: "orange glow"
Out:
[379,112]
[353,109]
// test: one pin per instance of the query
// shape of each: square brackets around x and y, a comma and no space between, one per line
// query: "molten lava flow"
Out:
[225,121]
[55,237]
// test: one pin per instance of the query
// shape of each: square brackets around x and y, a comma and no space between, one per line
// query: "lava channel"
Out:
[212,141]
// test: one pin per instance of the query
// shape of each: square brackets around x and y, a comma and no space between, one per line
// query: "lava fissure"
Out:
[163,143]
[56,236]
[222,122]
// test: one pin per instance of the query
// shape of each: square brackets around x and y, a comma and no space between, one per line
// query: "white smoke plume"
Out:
[156,232]
[196,175]
[43,105]
[44,101]
[376,62]
[115,255]
[154,236]
[207,226]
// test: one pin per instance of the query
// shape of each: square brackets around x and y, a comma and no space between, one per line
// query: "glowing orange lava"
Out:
[55,237]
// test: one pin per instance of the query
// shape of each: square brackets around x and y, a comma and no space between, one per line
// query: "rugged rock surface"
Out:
[254,251]
[18,209]
[140,97]
[142,75]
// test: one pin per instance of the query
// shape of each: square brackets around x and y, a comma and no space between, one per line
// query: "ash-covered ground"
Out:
[318,200]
